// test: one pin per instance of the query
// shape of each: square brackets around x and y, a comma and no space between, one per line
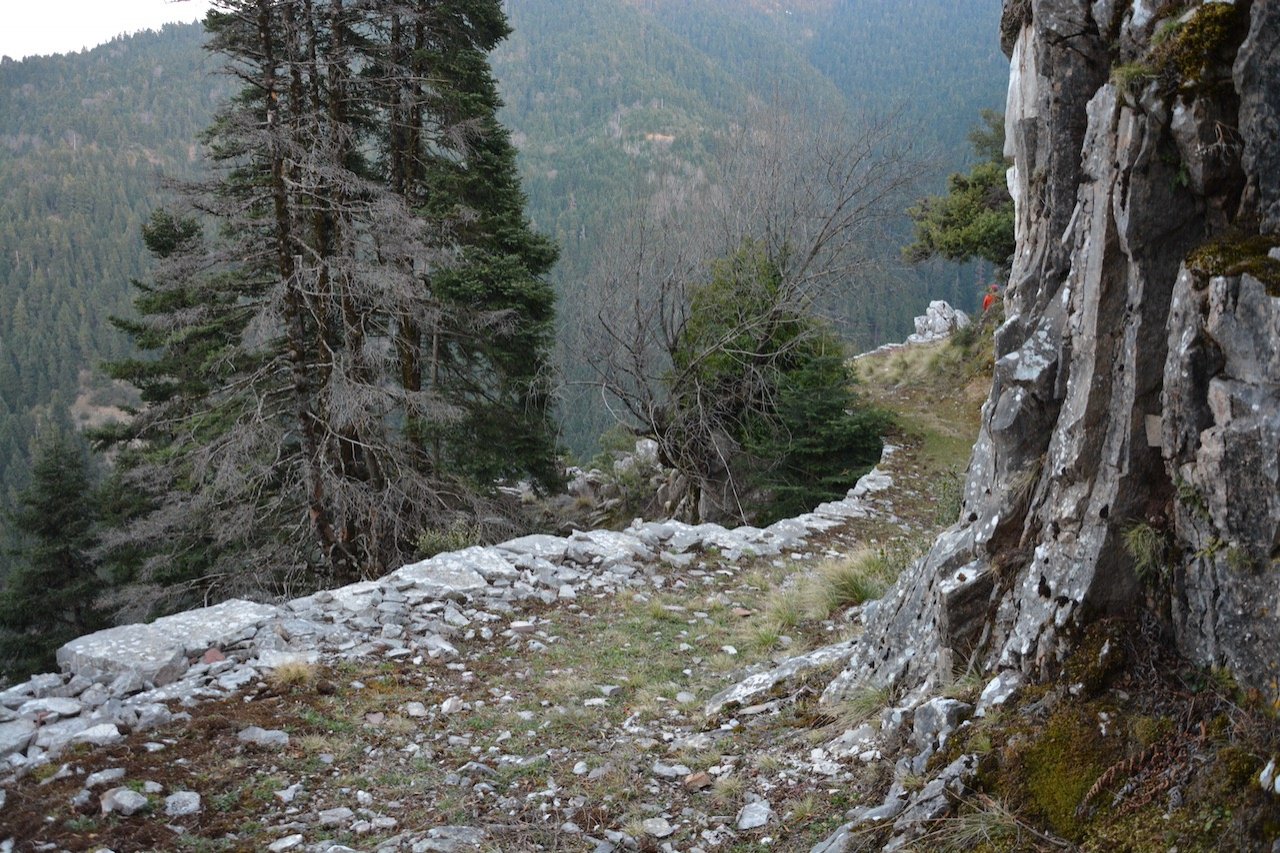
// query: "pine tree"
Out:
[486,350]
[370,298]
[822,438]
[760,411]
[975,218]
[49,598]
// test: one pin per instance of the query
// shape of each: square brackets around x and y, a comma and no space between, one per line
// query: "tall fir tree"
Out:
[372,297]
[51,595]
[487,349]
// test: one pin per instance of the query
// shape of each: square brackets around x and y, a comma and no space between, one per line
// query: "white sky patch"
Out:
[39,27]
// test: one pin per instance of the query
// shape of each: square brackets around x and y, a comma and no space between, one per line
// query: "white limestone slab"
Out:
[489,562]
[538,545]
[609,546]
[438,577]
[158,652]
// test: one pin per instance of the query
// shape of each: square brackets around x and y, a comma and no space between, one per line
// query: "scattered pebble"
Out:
[257,736]
[182,804]
[658,827]
[287,843]
[123,801]
[754,815]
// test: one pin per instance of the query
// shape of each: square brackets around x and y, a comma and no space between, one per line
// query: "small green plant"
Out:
[1167,30]
[82,824]
[1239,560]
[45,772]
[1189,496]
[1210,549]
[1150,551]
[914,782]
[333,725]
[1131,77]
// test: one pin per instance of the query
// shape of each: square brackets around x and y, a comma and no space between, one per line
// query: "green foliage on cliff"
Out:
[975,218]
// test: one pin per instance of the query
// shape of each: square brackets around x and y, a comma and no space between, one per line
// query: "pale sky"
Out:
[34,27]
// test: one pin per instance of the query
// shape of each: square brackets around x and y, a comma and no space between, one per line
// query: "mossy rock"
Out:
[1060,766]
[1098,658]
[1240,254]
[1199,52]
[1146,731]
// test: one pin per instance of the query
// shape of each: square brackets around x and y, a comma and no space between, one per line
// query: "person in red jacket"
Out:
[993,293]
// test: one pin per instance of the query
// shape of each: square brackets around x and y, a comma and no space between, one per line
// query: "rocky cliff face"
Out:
[1130,448]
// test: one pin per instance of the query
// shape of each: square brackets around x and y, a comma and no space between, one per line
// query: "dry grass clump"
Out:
[728,790]
[786,610]
[293,675]
[861,705]
[986,823]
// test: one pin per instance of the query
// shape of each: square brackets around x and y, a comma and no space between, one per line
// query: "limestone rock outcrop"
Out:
[1137,382]
[937,323]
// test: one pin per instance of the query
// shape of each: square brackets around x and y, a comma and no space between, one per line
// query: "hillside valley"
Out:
[1047,619]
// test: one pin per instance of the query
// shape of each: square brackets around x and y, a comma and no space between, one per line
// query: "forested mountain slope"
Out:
[85,141]
[602,96]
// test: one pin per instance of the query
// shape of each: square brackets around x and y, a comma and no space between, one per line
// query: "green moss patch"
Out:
[1062,764]
[1197,52]
[1131,749]
[1192,56]
[1240,254]
[1098,659]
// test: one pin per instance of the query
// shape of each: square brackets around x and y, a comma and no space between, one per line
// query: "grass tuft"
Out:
[293,675]
[1150,551]
[861,705]
[728,790]
[852,580]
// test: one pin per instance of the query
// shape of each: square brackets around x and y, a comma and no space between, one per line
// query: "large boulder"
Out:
[159,652]
[939,321]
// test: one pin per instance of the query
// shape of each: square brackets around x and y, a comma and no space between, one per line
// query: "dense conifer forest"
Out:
[607,101]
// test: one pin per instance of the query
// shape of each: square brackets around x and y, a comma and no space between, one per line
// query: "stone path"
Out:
[138,678]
